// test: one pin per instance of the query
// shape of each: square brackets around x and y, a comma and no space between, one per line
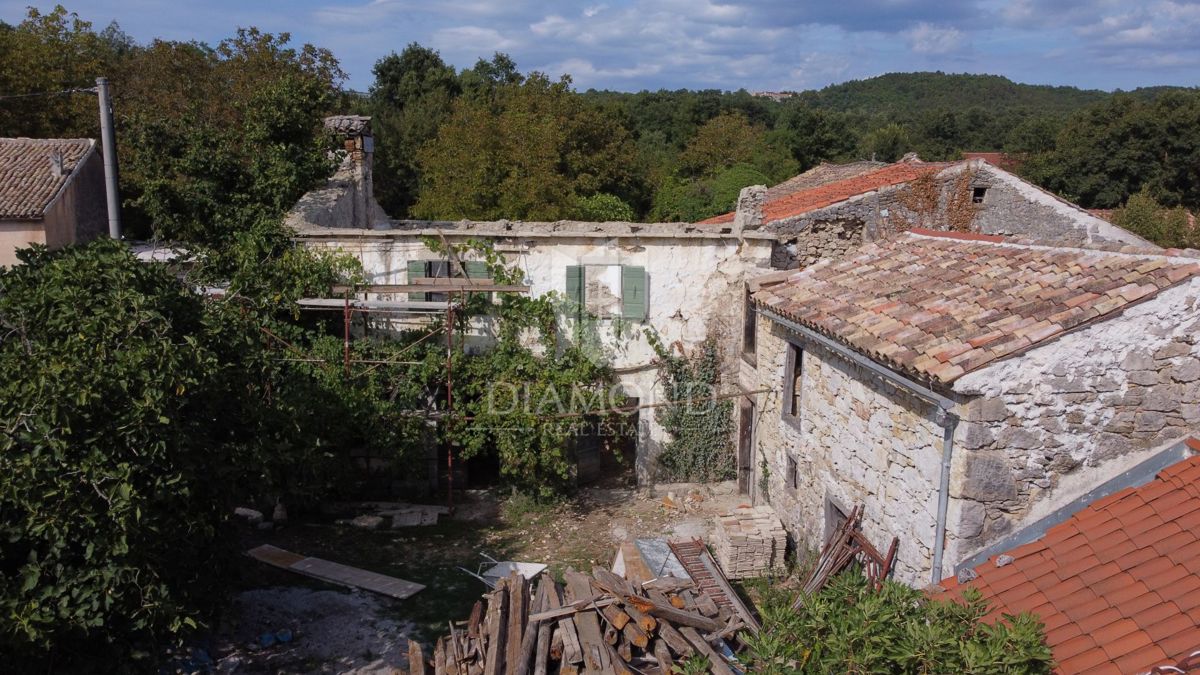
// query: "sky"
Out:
[774,45]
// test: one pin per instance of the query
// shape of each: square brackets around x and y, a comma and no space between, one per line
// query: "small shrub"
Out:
[848,627]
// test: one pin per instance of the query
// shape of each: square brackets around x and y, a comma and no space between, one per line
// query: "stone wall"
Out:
[821,239]
[858,442]
[1045,427]
[1010,207]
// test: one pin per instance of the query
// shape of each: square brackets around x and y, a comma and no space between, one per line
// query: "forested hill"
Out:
[921,92]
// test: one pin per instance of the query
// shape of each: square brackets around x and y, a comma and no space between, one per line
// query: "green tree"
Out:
[412,95]
[529,154]
[887,143]
[602,207]
[1147,218]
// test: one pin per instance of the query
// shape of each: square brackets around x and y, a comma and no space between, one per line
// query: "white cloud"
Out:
[472,39]
[926,38]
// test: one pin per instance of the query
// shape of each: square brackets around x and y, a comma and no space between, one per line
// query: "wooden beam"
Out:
[674,615]
[717,665]
[518,603]
[416,658]
[448,287]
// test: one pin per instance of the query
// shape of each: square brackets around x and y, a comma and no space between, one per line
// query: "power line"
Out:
[88,90]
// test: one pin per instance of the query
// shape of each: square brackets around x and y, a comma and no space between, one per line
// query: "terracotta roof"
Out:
[27,184]
[938,305]
[820,175]
[828,194]
[1117,585]
[1001,159]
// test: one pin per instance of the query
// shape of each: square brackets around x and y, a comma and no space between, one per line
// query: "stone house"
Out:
[837,207]
[1113,576]
[688,282]
[51,192]
[960,385]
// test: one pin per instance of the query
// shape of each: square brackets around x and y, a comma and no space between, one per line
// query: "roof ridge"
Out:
[997,240]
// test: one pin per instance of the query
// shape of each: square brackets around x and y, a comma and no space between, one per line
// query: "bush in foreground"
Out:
[848,627]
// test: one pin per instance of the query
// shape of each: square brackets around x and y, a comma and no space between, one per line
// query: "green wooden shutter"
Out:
[416,270]
[575,288]
[633,293]
[477,269]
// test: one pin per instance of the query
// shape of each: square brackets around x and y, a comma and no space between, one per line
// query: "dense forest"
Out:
[492,141]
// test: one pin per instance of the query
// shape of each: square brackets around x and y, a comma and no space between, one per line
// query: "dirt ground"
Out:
[335,630]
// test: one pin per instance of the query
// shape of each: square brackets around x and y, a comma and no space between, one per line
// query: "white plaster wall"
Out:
[695,290]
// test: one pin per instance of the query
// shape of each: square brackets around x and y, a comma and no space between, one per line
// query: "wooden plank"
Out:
[475,620]
[431,288]
[678,643]
[439,658]
[611,583]
[637,571]
[530,638]
[668,584]
[416,658]
[335,573]
[705,604]
[518,598]
[496,628]
[615,616]
[587,624]
[673,615]
[594,602]
[717,664]
[663,655]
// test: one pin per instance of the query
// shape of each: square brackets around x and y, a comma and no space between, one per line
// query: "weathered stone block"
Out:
[1017,437]
[1137,361]
[987,410]
[1149,421]
[988,478]
[1172,350]
[1187,370]
[971,519]
[976,436]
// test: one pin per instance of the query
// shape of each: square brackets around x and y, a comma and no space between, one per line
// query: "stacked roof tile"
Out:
[1118,584]
[939,305]
[801,201]
[28,184]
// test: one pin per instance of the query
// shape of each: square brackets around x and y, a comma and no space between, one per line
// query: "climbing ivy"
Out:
[701,446]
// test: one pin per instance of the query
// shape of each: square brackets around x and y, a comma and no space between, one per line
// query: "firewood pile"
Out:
[592,624]
[846,545]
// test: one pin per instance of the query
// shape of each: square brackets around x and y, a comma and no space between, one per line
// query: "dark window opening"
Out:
[793,473]
[834,517]
[793,384]
[749,329]
[977,195]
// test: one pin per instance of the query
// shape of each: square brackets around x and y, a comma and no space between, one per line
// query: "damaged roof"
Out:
[939,305]
[28,181]
[1117,585]
[789,204]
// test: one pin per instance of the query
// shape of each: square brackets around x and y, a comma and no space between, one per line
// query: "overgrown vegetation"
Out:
[701,427]
[848,627]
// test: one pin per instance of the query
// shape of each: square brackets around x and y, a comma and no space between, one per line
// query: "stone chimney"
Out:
[355,133]
[56,163]
[749,212]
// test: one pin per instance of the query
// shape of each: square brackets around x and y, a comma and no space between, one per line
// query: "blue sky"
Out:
[727,44]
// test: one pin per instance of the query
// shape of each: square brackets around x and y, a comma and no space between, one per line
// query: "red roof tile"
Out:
[797,203]
[1098,617]
[27,183]
[941,306]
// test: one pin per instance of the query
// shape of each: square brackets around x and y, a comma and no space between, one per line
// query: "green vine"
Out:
[701,447]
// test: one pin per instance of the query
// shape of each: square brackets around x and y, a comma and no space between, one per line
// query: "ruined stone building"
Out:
[960,386]
[51,192]
[688,282]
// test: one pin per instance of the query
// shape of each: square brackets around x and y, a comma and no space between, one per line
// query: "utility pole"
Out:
[108,147]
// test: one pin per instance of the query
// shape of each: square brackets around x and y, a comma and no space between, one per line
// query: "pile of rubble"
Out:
[596,624]
[750,542]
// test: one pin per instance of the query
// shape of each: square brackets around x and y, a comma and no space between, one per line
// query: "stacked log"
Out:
[750,542]
[589,624]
